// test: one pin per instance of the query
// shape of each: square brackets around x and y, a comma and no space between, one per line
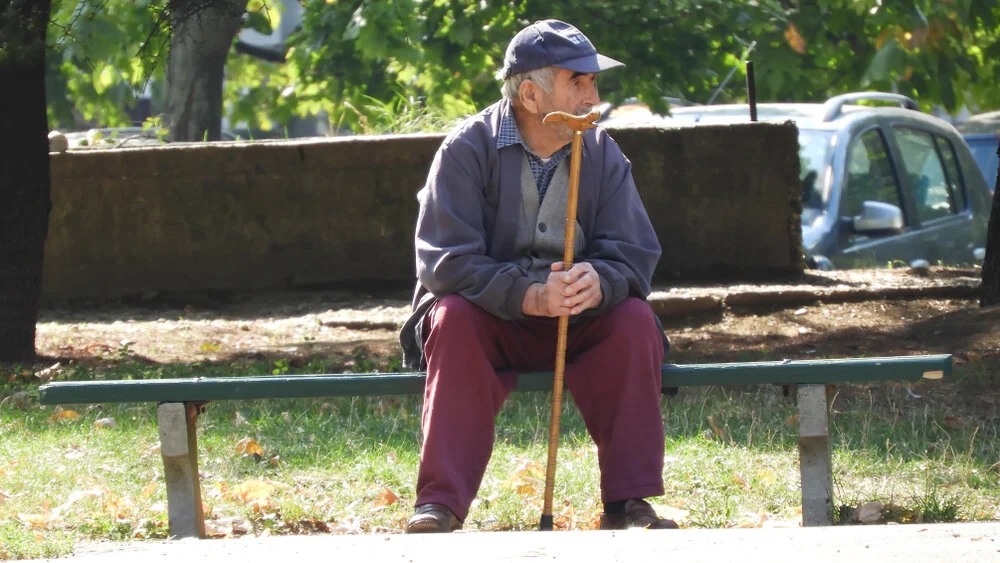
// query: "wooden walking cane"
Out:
[579,124]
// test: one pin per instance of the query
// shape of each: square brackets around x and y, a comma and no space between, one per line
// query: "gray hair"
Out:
[544,77]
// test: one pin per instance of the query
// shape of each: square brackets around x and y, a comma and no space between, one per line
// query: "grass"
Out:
[349,464]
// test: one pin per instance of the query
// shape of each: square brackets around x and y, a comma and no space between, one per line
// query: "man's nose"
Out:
[592,97]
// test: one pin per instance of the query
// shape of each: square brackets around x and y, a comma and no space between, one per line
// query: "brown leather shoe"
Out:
[637,514]
[432,518]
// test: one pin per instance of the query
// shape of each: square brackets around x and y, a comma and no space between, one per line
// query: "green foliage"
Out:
[360,62]
[102,54]
[399,115]
[156,124]
[932,51]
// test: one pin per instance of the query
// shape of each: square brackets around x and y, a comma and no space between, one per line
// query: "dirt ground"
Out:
[814,316]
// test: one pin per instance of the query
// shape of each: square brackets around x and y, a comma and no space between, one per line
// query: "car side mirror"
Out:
[877,216]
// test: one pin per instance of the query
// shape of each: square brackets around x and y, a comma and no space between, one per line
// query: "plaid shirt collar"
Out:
[542,170]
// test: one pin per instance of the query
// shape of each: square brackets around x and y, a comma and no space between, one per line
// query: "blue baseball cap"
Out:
[553,43]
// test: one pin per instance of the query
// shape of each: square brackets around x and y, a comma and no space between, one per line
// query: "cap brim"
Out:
[592,63]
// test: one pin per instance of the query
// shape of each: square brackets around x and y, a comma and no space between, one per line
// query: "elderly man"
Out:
[489,245]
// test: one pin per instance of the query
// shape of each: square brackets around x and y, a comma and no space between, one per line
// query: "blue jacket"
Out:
[469,210]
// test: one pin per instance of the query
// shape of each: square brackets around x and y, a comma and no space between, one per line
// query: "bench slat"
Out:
[788,372]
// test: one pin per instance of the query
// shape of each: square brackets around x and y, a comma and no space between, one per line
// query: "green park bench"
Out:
[180,401]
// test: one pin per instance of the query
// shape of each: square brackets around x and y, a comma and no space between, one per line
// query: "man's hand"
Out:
[564,293]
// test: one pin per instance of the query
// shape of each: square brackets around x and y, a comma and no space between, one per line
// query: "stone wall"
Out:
[341,211]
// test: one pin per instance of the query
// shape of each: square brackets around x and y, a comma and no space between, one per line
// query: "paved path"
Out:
[979,542]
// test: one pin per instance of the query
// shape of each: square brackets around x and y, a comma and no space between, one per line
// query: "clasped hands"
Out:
[564,293]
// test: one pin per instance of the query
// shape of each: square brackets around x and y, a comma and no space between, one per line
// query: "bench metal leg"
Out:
[815,455]
[179,447]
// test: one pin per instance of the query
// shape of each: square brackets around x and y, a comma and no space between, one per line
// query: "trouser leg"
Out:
[462,397]
[613,372]
[615,376]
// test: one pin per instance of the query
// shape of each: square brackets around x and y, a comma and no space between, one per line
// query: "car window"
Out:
[932,193]
[984,150]
[814,147]
[955,179]
[870,176]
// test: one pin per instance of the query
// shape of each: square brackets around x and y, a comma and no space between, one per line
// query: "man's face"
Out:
[572,92]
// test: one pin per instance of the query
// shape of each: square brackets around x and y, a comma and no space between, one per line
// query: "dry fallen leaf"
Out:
[529,469]
[767,477]
[105,423]
[752,520]
[63,508]
[36,521]
[60,413]
[48,373]
[527,480]
[248,446]
[952,421]
[149,489]
[250,491]
[385,498]
[116,507]
[525,490]
[564,519]
[739,480]
[868,513]
[260,506]
[592,522]
[715,428]
[217,529]
[227,527]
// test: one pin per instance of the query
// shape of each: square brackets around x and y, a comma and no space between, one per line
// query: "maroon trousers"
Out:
[613,364]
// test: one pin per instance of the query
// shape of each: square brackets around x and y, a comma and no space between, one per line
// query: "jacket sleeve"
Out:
[451,242]
[623,246]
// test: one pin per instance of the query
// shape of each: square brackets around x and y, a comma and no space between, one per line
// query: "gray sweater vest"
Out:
[541,232]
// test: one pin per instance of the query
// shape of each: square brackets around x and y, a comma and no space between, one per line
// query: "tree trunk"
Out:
[203,32]
[991,264]
[25,191]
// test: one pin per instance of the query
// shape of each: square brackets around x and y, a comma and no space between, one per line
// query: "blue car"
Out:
[982,134]
[882,186]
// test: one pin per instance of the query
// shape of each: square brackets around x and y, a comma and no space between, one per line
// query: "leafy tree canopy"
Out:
[363,62]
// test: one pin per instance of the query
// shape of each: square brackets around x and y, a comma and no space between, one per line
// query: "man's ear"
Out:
[528,94]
